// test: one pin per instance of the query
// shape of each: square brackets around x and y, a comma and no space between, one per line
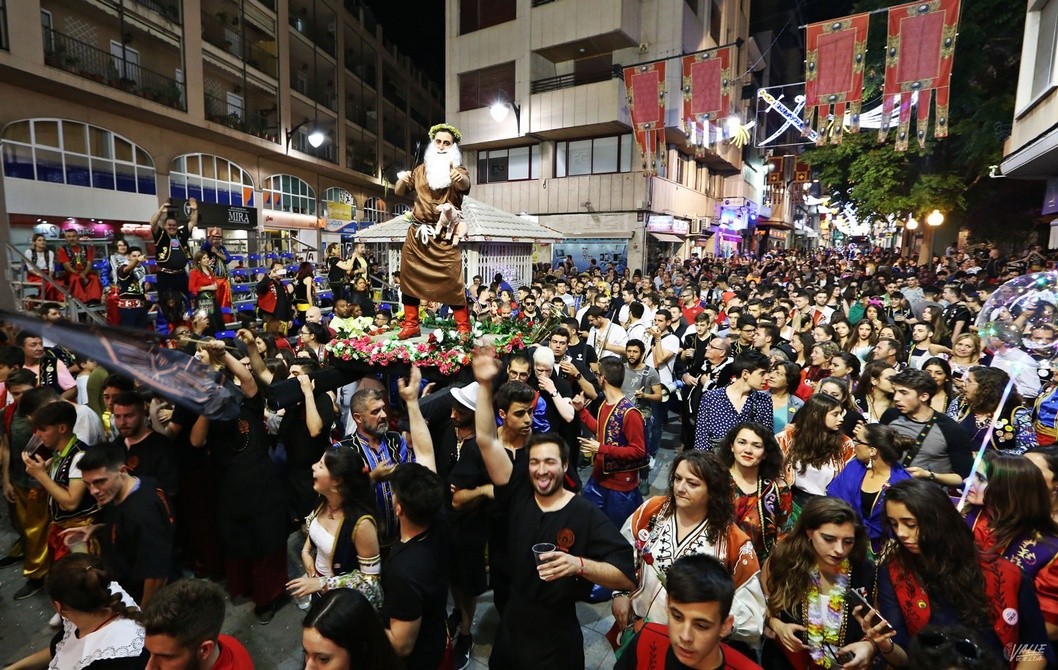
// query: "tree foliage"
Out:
[950,174]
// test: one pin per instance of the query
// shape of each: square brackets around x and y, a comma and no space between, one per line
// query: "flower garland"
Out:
[445,349]
[826,616]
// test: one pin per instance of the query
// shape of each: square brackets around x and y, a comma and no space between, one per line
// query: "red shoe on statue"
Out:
[409,327]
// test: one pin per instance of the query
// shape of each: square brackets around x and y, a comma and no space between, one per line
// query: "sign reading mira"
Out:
[220,216]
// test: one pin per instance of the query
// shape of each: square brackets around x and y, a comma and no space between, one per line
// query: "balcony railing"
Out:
[223,31]
[170,9]
[220,111]
[85,60]
[324,96]
[321,38]
[570,80]
[365,71]
[361,118]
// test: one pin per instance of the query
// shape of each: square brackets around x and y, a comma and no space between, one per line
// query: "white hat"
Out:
[467,396]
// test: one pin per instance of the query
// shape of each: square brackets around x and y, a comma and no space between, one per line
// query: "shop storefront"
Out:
[583,250]
[666,236]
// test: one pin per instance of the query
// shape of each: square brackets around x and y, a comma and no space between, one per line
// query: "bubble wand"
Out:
[987,438]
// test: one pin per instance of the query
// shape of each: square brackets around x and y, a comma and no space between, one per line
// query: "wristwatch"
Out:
[932,475]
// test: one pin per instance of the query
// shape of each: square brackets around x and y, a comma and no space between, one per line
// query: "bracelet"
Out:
[577,378]
[581,571]
[892,646]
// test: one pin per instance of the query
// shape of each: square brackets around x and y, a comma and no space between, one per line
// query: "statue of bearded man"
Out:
[431,266]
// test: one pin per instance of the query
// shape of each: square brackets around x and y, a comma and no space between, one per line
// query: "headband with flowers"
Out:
[444,127]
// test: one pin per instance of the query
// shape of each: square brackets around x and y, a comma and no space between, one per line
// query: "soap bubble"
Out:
[1015,307]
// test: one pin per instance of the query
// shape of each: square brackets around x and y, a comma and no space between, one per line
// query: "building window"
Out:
[479,14]
[481,88]
[77,154]
[1046,48]
[338,196]
[501,165]
[210,179]
[286,193]
[601,155]
[375,210]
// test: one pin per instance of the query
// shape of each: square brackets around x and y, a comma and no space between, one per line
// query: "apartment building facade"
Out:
[111,107]
[564,150]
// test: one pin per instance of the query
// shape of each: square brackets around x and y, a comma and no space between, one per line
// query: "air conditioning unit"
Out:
[697,224]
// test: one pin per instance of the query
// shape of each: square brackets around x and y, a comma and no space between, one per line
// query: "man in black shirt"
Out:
[539,628]
[149,454]
[137,528]
[305,432]
[415,576]
[171,249]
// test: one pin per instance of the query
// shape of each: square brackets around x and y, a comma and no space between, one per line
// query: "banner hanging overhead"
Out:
[708,85]
[836,52]
[645,87]
[918,59]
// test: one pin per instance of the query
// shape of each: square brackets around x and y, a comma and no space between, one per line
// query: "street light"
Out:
[911,223]
[316,136]
[935,218]
[501,107]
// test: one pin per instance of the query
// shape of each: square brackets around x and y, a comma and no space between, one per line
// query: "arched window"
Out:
[400,209]
[287,193]
[70,152]
[211,179]
[339,196]
[375,210]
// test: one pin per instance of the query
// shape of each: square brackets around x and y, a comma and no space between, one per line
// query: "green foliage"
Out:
[949,174]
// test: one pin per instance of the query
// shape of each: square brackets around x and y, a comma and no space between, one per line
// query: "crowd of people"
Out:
[826,407]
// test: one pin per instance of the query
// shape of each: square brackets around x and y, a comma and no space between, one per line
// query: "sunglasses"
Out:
[965,648]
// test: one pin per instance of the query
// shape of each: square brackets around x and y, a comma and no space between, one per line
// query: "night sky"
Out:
[418,30]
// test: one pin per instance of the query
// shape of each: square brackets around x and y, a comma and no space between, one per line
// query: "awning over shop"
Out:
[665,237]
[777,225]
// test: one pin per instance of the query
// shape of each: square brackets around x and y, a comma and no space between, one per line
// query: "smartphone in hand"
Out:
[858,598]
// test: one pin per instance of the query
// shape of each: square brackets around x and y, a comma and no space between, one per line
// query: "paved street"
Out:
[278,645]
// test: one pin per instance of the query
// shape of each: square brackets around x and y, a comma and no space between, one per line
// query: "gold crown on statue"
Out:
[444,127]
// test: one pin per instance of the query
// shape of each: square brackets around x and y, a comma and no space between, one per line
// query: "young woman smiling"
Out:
[763,501]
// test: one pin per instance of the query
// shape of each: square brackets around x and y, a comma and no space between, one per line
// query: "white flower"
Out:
[439,335]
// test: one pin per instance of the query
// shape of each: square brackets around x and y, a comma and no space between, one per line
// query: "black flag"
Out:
[179,378]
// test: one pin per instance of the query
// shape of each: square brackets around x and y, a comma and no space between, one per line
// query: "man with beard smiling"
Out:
[137,541]
[431,266]
[539,627]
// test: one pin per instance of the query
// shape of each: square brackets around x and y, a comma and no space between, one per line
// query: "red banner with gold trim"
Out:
[645,87]
[708,90]
[835,53]
[918,59]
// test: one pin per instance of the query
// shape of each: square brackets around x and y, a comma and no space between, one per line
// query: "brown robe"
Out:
[432,271]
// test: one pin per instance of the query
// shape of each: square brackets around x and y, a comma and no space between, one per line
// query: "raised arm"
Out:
[421,441]
[157,216]
[498,465]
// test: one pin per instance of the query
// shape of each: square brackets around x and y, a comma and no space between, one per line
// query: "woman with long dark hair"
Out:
[934,574]
[815,448]
[808,580]
[862,340]
[818,365]
[763,501]
[99,631]
[939,369]
[342,631]
[874,391]
[42,258]
[983,389]
[304,289]
[840,390]
[312,338]
[1010,514]
[1046,459]
[863,481]
[341,549]
[695,516]
[202,285]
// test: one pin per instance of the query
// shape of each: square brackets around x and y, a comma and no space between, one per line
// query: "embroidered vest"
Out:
[610,431]
[1001,581]
[163,244]
[129,286]
[48,372]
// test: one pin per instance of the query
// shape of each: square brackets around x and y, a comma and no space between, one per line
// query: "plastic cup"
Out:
[541,549]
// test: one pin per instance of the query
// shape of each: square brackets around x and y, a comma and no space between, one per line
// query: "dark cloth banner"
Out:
[172,374]
[709,83]
[645,87]
[835,52]
[918,59]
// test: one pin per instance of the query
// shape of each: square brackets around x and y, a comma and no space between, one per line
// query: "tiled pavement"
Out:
[24,625]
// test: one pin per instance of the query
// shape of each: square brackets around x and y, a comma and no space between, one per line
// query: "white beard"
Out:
[439,166]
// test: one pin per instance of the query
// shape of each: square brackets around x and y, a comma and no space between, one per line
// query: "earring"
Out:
[870,463]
